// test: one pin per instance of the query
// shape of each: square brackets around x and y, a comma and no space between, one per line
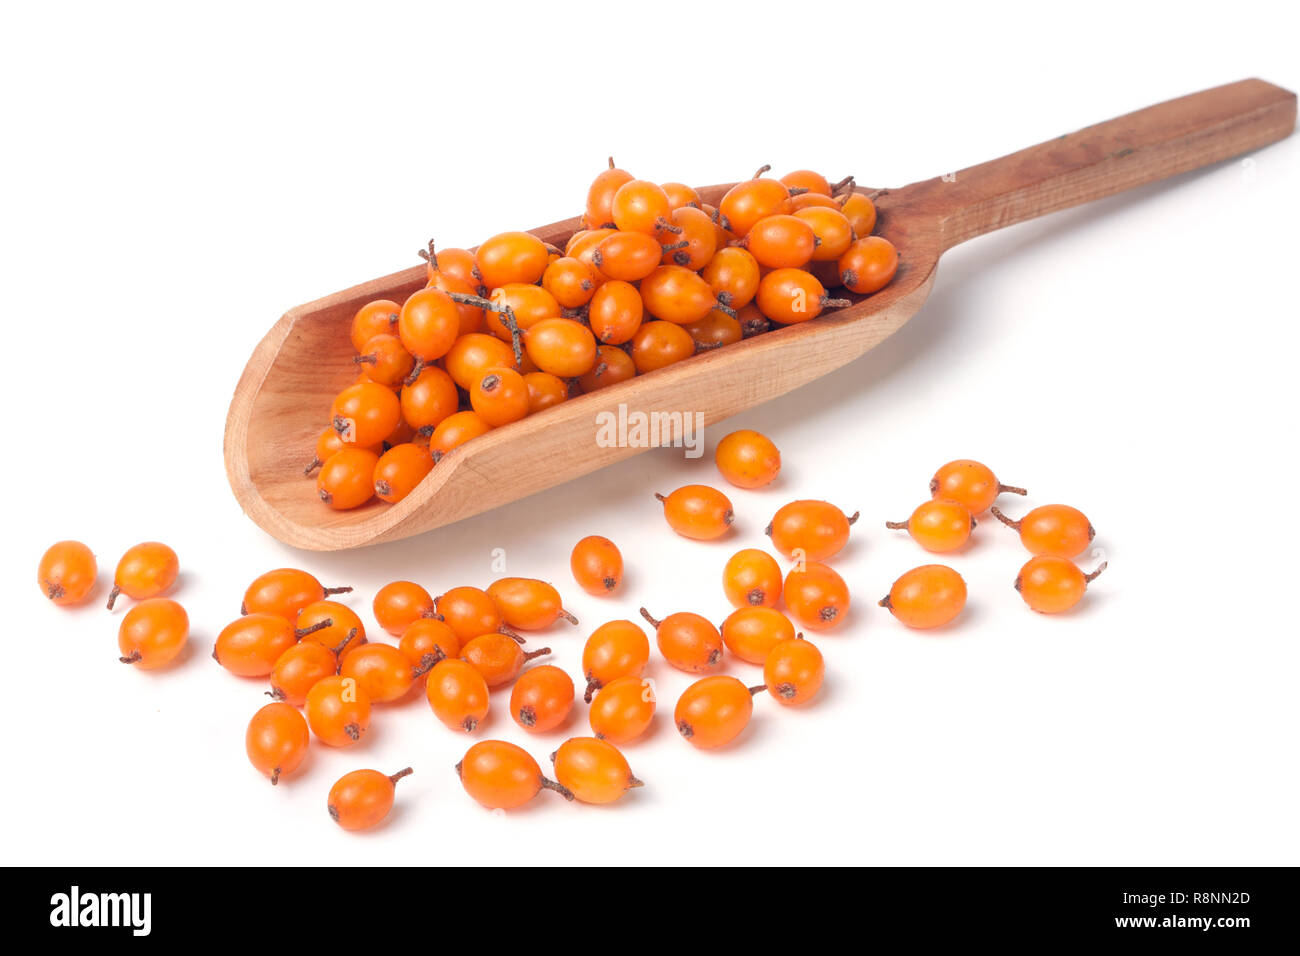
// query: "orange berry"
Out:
[970,484]
[691,241]
[677,294]
[816,596]
[331,625]
[926,597]
[679,195]
[687,641]
[640,206]
[789,296]
[361,799]
[714,330]
[469,612]
[299,669]
[781,242]
[597,565]
[860,212]
[285,592]
[793,672]
[623,709]
[365,414]
[816,529]
[751,632]
[544,391]
[600,197]
[250,646]
[468,361]
[498,657]
[277,740]
[500,397]
[593,770]
[431,399]
[937,525]
[501,776]
[382,671]
[541,699]
[145,571]
[374,318]
[327,444]
[832,230]
[616,312]
[457,694]
[613,365]
[511,257]
[153,633]
[615,649]
[399,470]
[752,578]
[571,282]
[657,345]
[527,304]
[748,459]
[807,179]
[1051,584]
[454,430]
[427,641]
[1058,530]
[563,347]
[733,274]
[868,265]
[385,361]
[67,573]
[748,202]
[698,512]
[347,479]
[527,603]
[400,604]
[338,711]
[713,711]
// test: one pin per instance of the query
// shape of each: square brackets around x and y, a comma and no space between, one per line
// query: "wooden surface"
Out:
[281,402]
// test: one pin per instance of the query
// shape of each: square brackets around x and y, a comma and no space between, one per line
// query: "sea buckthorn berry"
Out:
[455,430]
[466,295]
[400,604]
[1057,530]
[752,321]
[678,295]
[498,657]
[527,305]
[868,265]
[545,391]
[382,671]
[277,740]
[428,325]
[623,709]
[926,597]
[631,256]
[593,770]
[457,694]
[400,469]
[385,361]
[285,591]
[679,195]
[752,578]
[455,263]
[715,330]
[861,213]
[501,776]
[692,241]
[428,637]
[146,570]
[250,646]
[563,347]
[571,282]
[832,229]
[748,202]
[809,180]
[67,573]
[430,399]
[815,529]
[153,633]
[541,699]
[500,397]
[793,672]
[597,565]
[640,206]
[326,445]
[657,345]
[698,512]
[751,632]
[469,612]
[816,596]
[583,248]
[809,200]
[970,484]
[527,603]
[748,459]
[374,318]
[331,625]
[347,479]
[600,197]
[615,649]
[365,414]
[1050,584]
[781,242]
[511,257]
[616,312]
[714,710]
[338,711]
[937,525]
[299,669]
[613,365]
[733,274]
[471,357]
[687,641]
[361,799]
[789,296]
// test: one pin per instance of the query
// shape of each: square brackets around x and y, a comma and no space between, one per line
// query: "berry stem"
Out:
[404,772]
[1011,490]
[135,656]
[1092,577]
[1015,525]
[302,632]
[112,596]
[896,525]
[653,623]
[342,590]
[537,653]
[567,616]
[561,789]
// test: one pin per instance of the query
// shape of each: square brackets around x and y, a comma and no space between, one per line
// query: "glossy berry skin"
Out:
[781,242]
[471,357]
[250,646]
[793,672]
[676,294]
[868,265]
[1051,585]
[692,241]
[970,484]
[285,592]
[469,612]
[457,694]
[748,202]
[501,776]
[545,391]
[563,347]
[752,578]
[542,698]
[454,430]
[373,318]
[338,711]
[145,571]
[623,710]
[385,361]
[713,711]
[616,312]
[816,596]
[938,525]
[365,414]
[628,256]
[593,770]
[1057,530]
[153,633]
[832,230]
[430,399]
[347,478]
[816,530]
[500,397]
[571,282]
[331,625]
[277,740]
[810,180]
[427,641]
[381,671]
[714,330]
[597,565]
[511,257]
[698,512]
[679,195]
[687,641]
[498,657]
[600,196]
[67,573]
[527,603]
[790,296]
[327,443]
[363,798]
[529,304]
[616,649]
[400,604]
[750,633]
[748,459]
[399,470]
[640,206]
[299,669]
[927,597]
[659,344]
[733,274]
[861,214]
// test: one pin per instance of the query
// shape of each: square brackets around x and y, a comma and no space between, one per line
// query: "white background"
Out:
[174,180]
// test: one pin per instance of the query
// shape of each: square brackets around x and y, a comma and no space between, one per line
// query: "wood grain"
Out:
[281,401]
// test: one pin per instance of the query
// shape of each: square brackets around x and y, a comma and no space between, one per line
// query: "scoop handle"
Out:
[1101,160]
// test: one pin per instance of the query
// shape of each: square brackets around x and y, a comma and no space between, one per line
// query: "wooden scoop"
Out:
[283,397]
